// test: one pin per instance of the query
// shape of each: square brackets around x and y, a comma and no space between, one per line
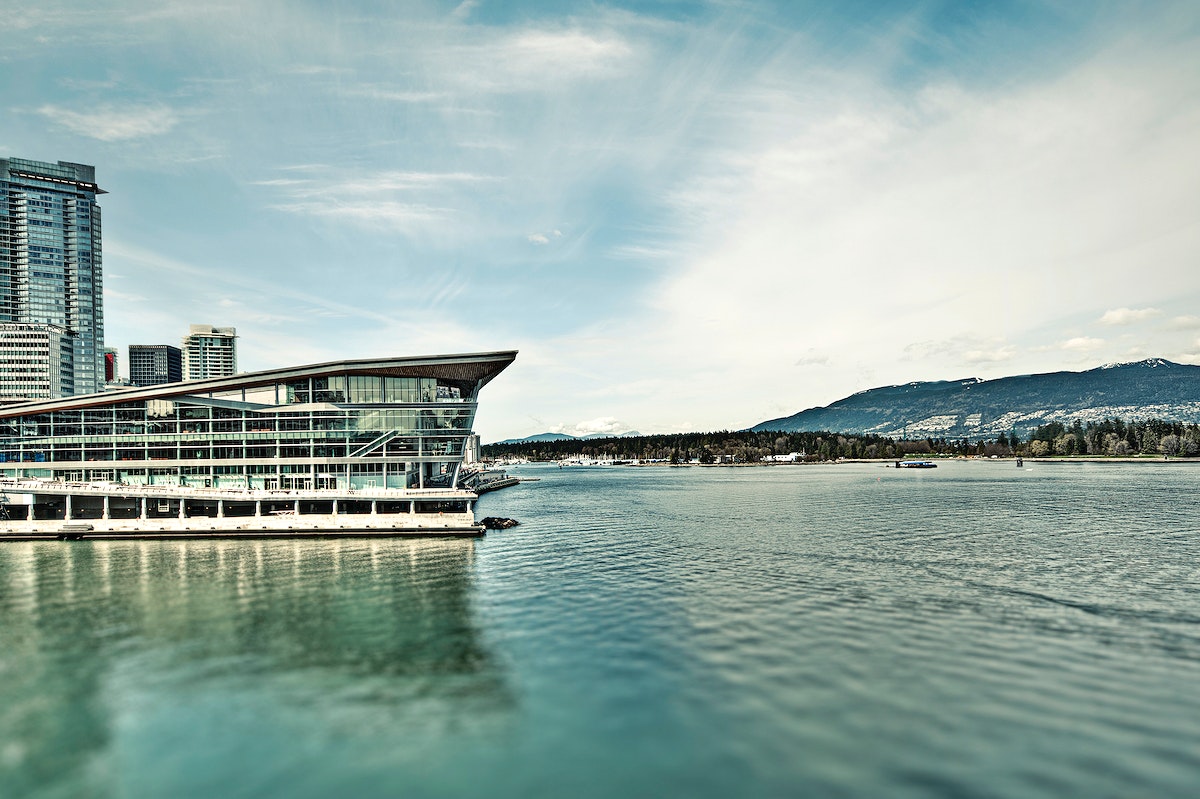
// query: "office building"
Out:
[36,362]
[50,267]
[154,364]
[209,352]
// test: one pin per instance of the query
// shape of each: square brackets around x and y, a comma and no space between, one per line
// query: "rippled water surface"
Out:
[852,630]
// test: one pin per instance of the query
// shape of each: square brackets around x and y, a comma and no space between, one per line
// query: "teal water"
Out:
[974,630]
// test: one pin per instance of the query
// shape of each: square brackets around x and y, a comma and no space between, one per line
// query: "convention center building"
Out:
[391,423]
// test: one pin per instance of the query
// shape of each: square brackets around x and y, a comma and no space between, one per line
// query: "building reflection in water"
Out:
[111,649]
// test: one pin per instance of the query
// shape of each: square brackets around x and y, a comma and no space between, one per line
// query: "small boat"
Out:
[916,465]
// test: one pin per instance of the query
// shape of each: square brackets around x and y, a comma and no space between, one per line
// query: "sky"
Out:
[686,216]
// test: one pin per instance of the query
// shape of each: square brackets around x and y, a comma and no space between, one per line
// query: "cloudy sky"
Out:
[685,215]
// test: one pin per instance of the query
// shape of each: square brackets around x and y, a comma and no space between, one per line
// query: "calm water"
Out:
[974,630]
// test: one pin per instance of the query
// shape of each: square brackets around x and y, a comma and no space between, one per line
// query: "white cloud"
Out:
[875,222]
[1185,323]
[1001,354]
[114,123]
[1082,344]
[1127,316]
[543,238]
[604,425]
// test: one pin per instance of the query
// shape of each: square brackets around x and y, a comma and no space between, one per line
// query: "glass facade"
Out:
[329,429]
[50,259]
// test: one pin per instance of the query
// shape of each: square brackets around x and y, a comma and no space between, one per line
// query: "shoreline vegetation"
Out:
[1105,441]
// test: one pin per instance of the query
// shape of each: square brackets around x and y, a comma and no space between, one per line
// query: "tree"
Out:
[1169,445]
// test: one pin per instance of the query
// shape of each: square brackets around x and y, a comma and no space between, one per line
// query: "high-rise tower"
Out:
[50,261]
[209,352]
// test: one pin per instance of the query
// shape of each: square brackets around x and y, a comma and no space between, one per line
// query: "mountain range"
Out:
[564,437]
[983,409]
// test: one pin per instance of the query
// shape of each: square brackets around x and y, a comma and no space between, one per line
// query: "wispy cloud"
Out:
[537,59]
[394,199]
[464,9]
[812,358]
[964,350]
[112,123]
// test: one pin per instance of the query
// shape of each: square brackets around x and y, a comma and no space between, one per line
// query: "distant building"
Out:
[50,265]
[209,352]
[112,372]
[155,364]
[36,362]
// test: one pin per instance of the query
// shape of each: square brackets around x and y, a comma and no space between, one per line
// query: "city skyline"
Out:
[686,216]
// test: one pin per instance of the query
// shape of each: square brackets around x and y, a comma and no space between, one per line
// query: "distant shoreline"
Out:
[888,461]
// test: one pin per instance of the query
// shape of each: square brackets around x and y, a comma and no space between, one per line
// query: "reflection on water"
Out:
[218,650]
[849,631]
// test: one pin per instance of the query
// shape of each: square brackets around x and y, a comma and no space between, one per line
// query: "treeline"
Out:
[1109,437]
[1115,437]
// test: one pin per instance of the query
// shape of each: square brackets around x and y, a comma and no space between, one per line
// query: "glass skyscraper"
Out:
[50,260]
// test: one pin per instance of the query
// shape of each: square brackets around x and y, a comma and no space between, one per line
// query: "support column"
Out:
[220,509]
[182,508]
[374,507]
[31,501]
[67,509]
[335,506]
[257,508]
[296,507]
[104,509]
[412,508]
[143,514]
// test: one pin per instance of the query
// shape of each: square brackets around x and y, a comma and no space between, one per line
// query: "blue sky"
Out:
[685,215]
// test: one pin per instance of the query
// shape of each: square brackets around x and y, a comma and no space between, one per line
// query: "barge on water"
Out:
[34,509]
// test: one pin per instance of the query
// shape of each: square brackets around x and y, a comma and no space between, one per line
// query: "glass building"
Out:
[387,423]
[50,261]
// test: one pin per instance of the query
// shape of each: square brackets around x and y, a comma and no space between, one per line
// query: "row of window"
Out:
[411,448]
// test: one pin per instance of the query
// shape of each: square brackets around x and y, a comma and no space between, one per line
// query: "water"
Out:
[974,630]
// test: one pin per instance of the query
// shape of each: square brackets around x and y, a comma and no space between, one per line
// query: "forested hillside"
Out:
[1108,437]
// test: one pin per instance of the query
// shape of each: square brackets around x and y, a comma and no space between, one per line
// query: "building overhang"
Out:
[472,368]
